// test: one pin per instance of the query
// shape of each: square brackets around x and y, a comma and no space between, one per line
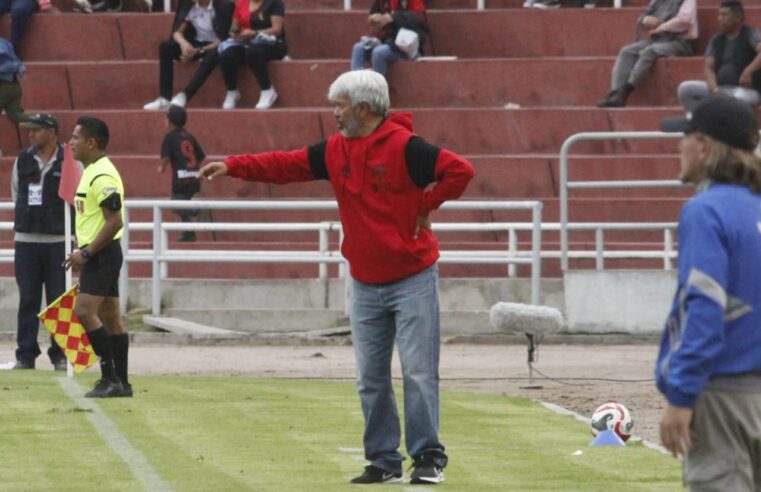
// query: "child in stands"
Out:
[180,149]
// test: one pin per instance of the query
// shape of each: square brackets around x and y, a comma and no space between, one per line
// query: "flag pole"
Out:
[67,252]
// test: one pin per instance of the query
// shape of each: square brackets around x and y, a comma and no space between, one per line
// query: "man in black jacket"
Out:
[732,62]
[39,235]
[199,26]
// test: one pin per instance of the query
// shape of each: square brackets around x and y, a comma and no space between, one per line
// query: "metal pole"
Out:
[536,257]
[481,4]
[668,247]
[512,247]
[347,4]
[323,269]
[156,265]
[599,249]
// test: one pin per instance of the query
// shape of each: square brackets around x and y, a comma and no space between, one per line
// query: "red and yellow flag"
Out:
[61,321]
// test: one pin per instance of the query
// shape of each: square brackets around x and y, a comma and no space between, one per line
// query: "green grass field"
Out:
[226,434]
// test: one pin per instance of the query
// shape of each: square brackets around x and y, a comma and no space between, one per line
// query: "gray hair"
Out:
[360,86]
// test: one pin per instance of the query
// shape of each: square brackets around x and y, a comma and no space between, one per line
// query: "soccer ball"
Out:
[615,417]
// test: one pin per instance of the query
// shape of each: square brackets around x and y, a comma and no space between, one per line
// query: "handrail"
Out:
[161,255]
[565,184]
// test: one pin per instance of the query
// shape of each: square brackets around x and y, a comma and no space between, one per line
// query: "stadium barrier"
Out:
[566,184]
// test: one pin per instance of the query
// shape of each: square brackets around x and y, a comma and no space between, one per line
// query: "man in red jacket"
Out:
[387,180]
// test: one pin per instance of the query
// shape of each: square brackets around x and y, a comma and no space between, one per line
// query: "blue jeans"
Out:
[380,57]
[406,311]
[21,11]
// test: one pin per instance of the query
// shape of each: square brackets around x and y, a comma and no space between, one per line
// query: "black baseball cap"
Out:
[723,118]
[40,120]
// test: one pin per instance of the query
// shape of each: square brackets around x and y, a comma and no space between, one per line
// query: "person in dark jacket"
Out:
[387,181]
[732,61]
[39,235]
[386,18]
[199,26]
[709,365]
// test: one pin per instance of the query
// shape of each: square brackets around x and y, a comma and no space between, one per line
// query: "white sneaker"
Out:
[267,99]
[180,99]
[156,105]
[231,99]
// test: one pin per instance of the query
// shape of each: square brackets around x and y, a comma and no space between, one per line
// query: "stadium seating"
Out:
[506,87]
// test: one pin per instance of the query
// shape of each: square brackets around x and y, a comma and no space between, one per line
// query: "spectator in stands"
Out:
[11,70]
[21,11]
[39,235]
[732,61]
[387,181]
[664,29]
[181,151]
[386,18]
[199,26]
[257,37]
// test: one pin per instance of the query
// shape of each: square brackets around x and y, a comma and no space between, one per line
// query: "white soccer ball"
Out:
[615,417]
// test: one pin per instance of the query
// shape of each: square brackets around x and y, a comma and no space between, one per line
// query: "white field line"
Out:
[581,418]
[135,460]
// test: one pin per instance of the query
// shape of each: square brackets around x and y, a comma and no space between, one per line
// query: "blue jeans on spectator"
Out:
[21,11]
[406,311]
[37,265]
[380,57]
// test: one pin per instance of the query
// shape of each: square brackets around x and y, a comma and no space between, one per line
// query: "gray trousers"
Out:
[636,60]
[692,92]
[726,437]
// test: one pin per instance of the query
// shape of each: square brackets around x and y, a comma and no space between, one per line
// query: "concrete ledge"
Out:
[182,327]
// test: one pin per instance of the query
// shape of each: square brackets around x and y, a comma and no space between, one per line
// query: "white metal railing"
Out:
[565,184]
[161,254]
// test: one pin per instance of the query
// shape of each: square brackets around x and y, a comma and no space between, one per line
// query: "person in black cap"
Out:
[39,235]
[181,151]
[709,365]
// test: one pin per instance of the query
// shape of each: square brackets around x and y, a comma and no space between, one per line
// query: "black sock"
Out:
[120,346]
[101,344]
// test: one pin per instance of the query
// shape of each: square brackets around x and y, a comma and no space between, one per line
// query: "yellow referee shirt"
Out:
[99,181]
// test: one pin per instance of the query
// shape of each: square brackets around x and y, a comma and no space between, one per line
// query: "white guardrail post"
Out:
[155,264]
[565,184]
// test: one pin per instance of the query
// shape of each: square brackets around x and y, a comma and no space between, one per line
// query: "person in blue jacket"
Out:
[709,365]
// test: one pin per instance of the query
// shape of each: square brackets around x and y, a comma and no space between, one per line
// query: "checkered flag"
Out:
[61,321]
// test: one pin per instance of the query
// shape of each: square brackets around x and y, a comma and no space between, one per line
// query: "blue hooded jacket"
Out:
[714,328]
[10,65]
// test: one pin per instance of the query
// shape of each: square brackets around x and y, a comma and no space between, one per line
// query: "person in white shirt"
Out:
[198,27]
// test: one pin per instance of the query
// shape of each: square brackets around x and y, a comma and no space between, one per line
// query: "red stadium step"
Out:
[466,131]
[461,83]
[331,34]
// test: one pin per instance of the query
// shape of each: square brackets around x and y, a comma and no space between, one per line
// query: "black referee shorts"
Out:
[99,276]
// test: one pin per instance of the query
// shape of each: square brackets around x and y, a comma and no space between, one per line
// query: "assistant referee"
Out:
[99,223]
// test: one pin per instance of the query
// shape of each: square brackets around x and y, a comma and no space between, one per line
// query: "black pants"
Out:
[168,52]
[37,265]
[256,56]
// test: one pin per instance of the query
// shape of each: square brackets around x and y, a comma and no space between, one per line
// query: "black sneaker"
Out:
[126,391]
[426,471]
[373,474]
[187,237]
[105,388]
[20,364]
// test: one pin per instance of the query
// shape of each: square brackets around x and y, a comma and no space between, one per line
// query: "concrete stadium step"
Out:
[466,131]
[497,177]
[456,83]
[330,34]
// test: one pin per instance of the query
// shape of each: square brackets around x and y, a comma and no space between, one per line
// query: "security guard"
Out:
[99,222]
[39,235]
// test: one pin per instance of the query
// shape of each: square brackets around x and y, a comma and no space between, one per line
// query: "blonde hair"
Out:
[725,164]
